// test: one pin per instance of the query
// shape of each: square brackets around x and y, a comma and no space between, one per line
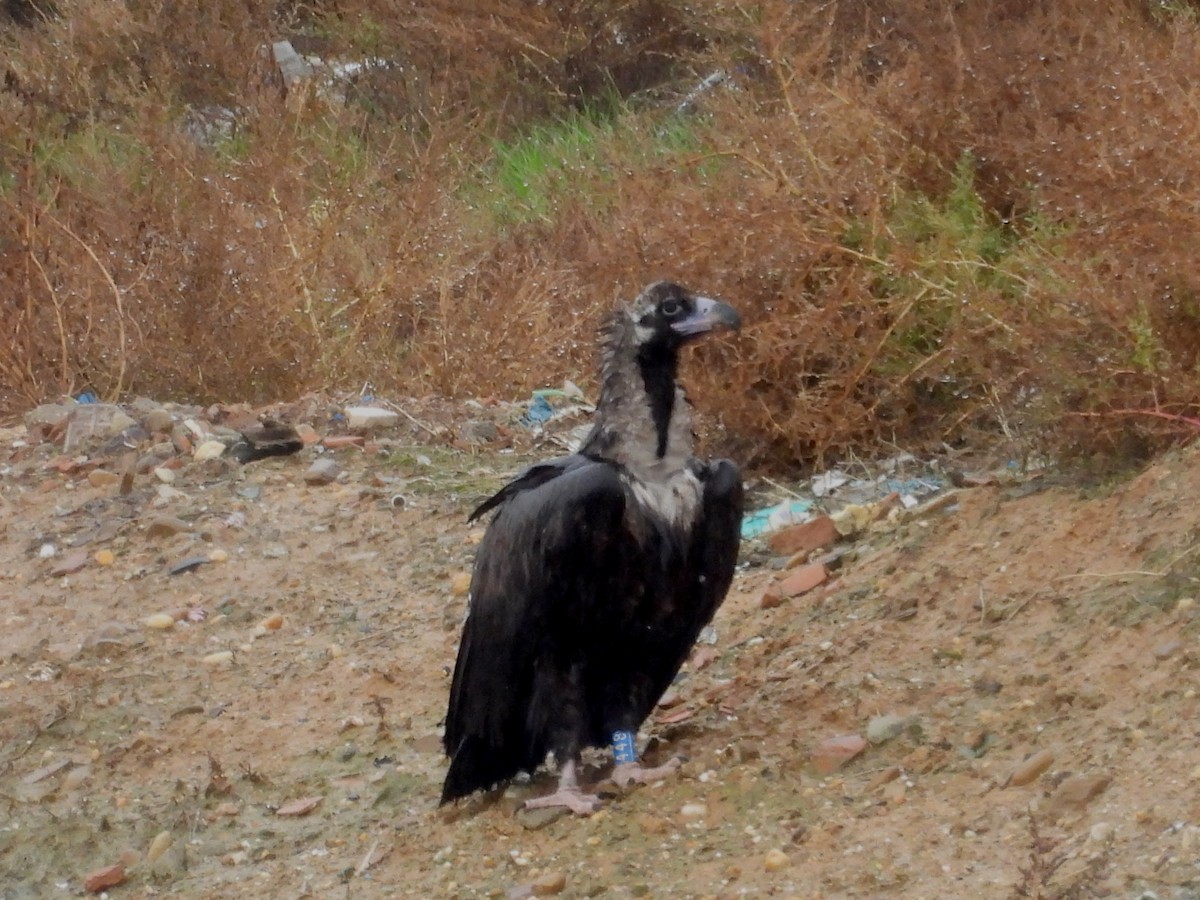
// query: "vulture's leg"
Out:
[629,771]
[568,794]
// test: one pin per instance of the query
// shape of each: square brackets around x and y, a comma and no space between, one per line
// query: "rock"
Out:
[166,526]
[165,475]
[158,420]
[1167,649]
[109,876]
[158,846]
[652,824]
[210,449]
[550,884]
[324,471]
[537,819]
[802,580]
[103,557]
[833,753]
[1077,791]
[694,810]
[460,583]
[160,621]
[775,860]
[891,773]
[102,478]
[881,729]
[479,431]
[218,659]
[186,565]
[272,622]
[805,537]
[370,418]
[1030,769]
[71,564]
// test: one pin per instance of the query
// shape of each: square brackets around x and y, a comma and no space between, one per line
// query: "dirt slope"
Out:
[1022,618]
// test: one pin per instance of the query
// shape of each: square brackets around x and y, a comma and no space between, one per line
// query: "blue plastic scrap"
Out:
[789,512]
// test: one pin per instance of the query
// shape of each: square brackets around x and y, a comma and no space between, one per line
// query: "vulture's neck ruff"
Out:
[643,418]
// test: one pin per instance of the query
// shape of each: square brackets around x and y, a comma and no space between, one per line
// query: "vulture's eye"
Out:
[670,308]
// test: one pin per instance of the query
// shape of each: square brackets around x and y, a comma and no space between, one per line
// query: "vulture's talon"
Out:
[635,773]
[571,798]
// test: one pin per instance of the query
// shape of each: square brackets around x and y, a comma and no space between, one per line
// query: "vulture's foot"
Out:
[570,797]
[626,774]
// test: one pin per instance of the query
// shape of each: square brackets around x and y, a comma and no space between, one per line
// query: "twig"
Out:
[116,292]
[400,409]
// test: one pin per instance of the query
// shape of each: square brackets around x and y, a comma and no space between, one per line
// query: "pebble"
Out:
[46,551]
[833,753]
[158,846]
[549,884]
[323,471]
[272,622]
[881,729]
[208,450]
[165,526]
[803,579]
[220,658]
[165,475]
[460,583]
[1030,769]
[102,478]
[694,810]
[218,555]
[1167,649]
[370,418]
[160,621]
[103,557]
[109,876]
[775,860]
[71,564]
[159,420]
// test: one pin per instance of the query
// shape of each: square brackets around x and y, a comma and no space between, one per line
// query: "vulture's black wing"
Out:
[535,600]
[711,557]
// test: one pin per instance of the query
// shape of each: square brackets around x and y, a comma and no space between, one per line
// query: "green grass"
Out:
[576,157]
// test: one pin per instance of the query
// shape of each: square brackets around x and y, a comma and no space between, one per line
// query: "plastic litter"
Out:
[789,512]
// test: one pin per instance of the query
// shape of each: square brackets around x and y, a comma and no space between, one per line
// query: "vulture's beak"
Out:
[709,315]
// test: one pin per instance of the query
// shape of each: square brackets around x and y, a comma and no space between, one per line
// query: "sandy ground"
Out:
[281,739]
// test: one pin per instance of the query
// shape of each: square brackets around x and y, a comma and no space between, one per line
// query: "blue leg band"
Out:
[624,749]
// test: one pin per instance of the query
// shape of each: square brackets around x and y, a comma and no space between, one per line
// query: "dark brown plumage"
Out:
[598,570]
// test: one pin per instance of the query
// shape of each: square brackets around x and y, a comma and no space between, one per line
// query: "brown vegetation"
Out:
[937,218]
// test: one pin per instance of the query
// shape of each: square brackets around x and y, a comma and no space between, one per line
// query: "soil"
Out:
[281,739]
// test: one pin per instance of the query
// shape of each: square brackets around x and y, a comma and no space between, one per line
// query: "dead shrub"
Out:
[943,222]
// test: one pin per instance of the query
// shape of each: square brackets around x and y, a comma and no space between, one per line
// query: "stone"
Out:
[881,729]
[370,418]
[324,471]
[1029,770]
[158,420]
[165,526]
[805,537]
[549,884]
[70,564]
[802,580]
[102,478]
[833,753]
[775,860]
[479,431]
[210,449]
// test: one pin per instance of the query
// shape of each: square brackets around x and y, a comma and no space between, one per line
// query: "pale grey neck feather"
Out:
[624,429]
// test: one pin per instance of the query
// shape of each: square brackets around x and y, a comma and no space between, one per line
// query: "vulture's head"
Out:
[666,316]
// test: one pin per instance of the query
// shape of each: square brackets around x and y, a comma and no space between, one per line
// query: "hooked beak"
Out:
[709,315]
